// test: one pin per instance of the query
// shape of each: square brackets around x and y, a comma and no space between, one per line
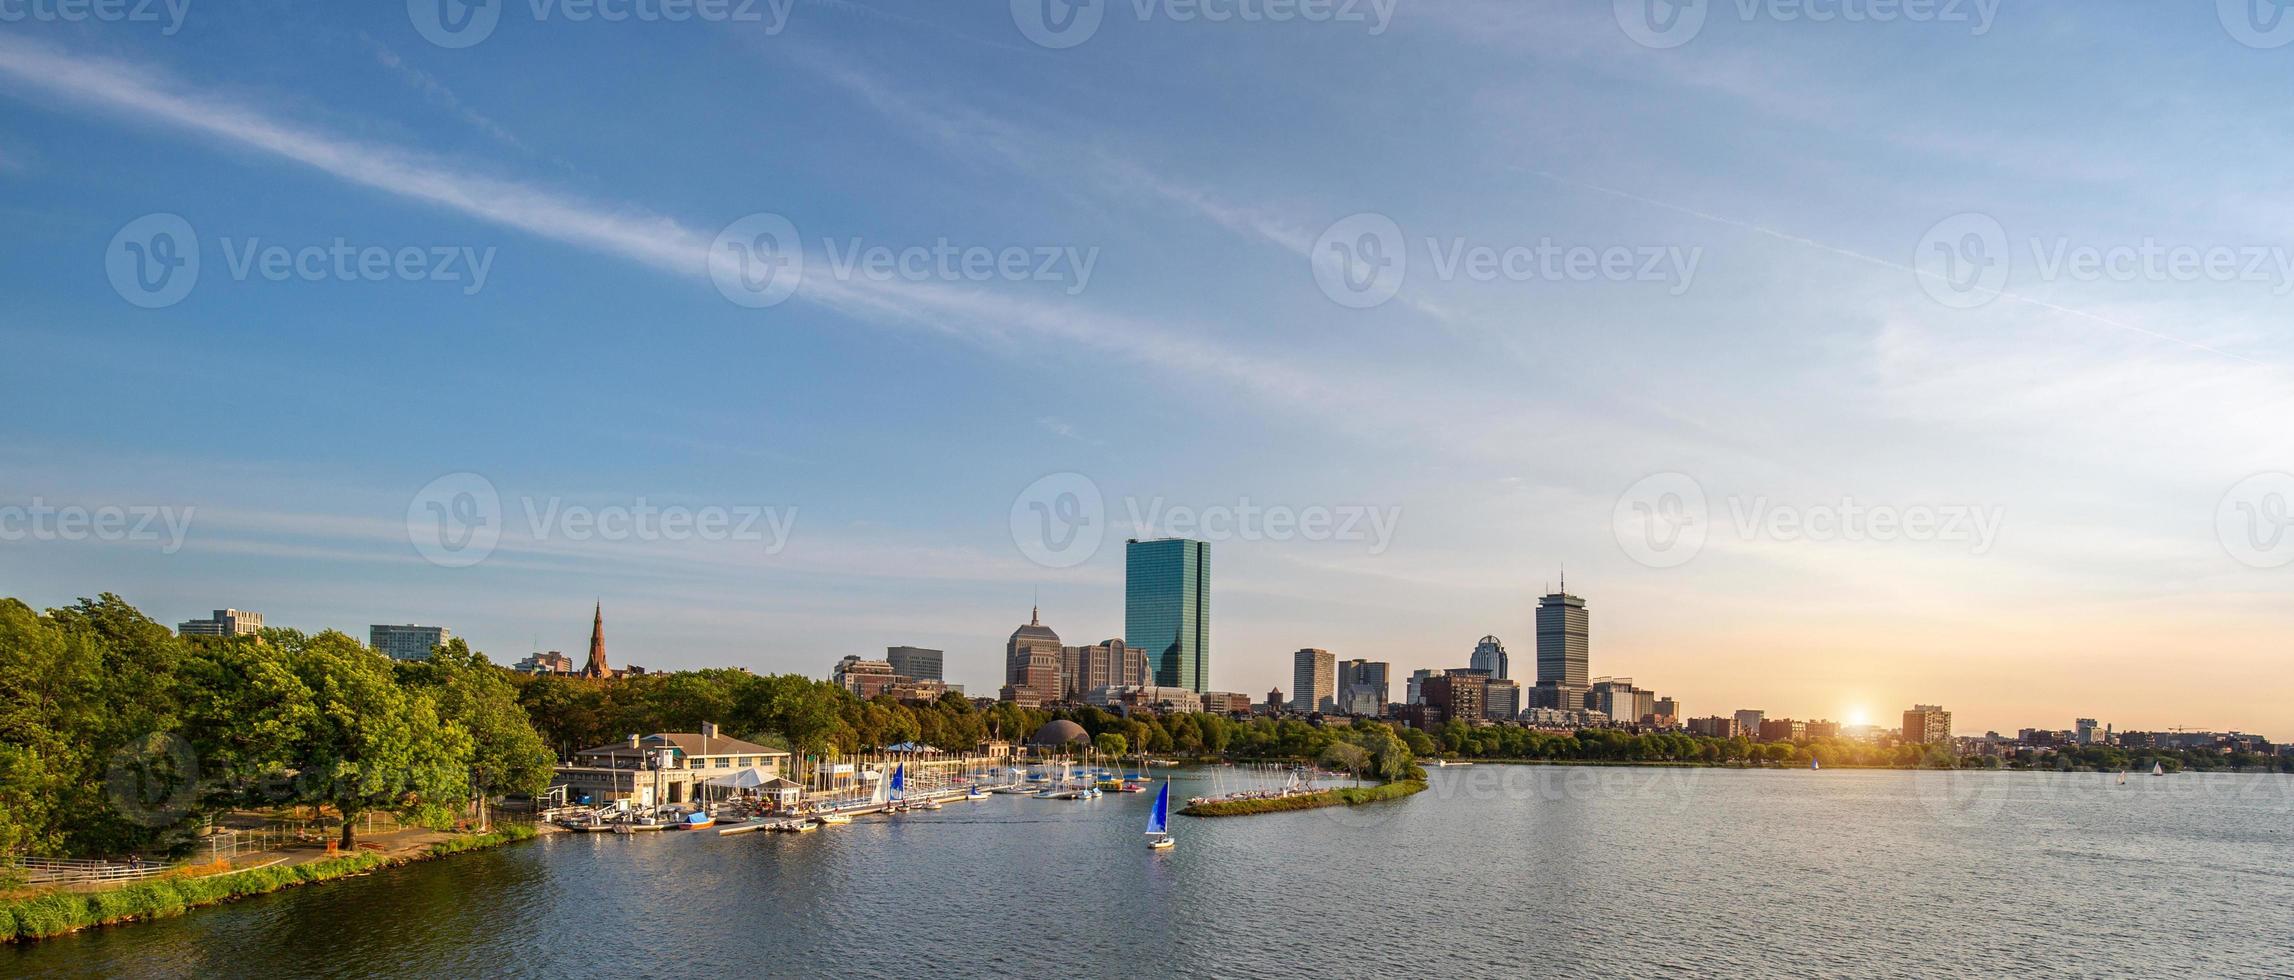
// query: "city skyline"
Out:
[2076,452]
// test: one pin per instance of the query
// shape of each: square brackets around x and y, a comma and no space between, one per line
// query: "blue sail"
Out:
[1161,815]
[900,781]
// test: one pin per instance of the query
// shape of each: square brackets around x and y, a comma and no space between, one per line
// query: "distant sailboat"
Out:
[1159,820]
[1814,765]
[2122,777]
[2158,769]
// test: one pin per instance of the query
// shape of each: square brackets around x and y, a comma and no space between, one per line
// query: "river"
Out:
[1497,871]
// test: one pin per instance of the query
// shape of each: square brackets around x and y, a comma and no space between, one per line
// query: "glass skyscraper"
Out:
[1166,609]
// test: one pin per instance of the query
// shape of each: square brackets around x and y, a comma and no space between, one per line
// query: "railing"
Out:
[70,871]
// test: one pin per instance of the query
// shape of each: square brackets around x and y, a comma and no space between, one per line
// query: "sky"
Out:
[1844,357]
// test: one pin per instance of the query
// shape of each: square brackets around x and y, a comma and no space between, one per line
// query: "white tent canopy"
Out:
[748,778]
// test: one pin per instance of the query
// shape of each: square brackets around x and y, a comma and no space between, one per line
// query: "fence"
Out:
[73,871]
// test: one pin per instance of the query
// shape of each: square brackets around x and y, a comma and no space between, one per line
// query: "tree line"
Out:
[118,736]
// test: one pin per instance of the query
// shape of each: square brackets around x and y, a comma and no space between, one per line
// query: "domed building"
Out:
[1058,732]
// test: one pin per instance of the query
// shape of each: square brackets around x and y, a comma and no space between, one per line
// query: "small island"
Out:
[1343,796]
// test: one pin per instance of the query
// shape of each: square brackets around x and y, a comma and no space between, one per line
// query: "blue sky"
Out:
[2099,425]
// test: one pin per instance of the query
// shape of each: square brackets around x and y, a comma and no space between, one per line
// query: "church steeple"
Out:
[597,666]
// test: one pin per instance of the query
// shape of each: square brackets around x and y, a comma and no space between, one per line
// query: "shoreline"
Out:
[59,912]
[1342,796]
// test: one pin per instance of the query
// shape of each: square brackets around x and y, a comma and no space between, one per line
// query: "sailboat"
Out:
[1159,820]
[1814,765]
[897,796]
[2158,769]
[2122,777]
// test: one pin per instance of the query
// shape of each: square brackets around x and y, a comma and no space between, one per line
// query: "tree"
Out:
[506,754]
[375,745]
[1110,744]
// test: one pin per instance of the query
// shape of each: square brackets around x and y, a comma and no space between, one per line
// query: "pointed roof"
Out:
[596,667]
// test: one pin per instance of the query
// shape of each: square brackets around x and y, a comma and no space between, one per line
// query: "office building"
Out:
[1161,700]
[1314,681]
[1927,723]
[1166,609]
[2087,731]
[1108,663]
[865,678]
[915,662]
[1617,698]
[1501,699]
[1782,730]
[1823,729]
[1748,722]
[1227,703]
[1563,651]
[407,642]
[1031,664]
[1362,689]
[1668,713]
[226,622]
[1489,657]
[1415,687]
[1713,727]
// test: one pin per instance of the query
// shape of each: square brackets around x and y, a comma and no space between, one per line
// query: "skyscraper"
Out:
[1362,687]
[1314,680]
[1563,632]
[407,642]
[1490,657]
[1031,664]
[1166,609]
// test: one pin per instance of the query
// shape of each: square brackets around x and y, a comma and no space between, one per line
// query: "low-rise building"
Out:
[408,642]
[666,767]
[225,622]
[552,662]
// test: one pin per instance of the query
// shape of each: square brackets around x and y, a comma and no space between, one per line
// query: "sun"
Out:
[1856,716]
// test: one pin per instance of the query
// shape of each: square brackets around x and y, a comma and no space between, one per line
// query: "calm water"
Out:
[1497,871]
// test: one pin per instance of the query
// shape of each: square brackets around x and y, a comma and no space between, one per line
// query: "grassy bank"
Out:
[1349,796]
[55,913]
